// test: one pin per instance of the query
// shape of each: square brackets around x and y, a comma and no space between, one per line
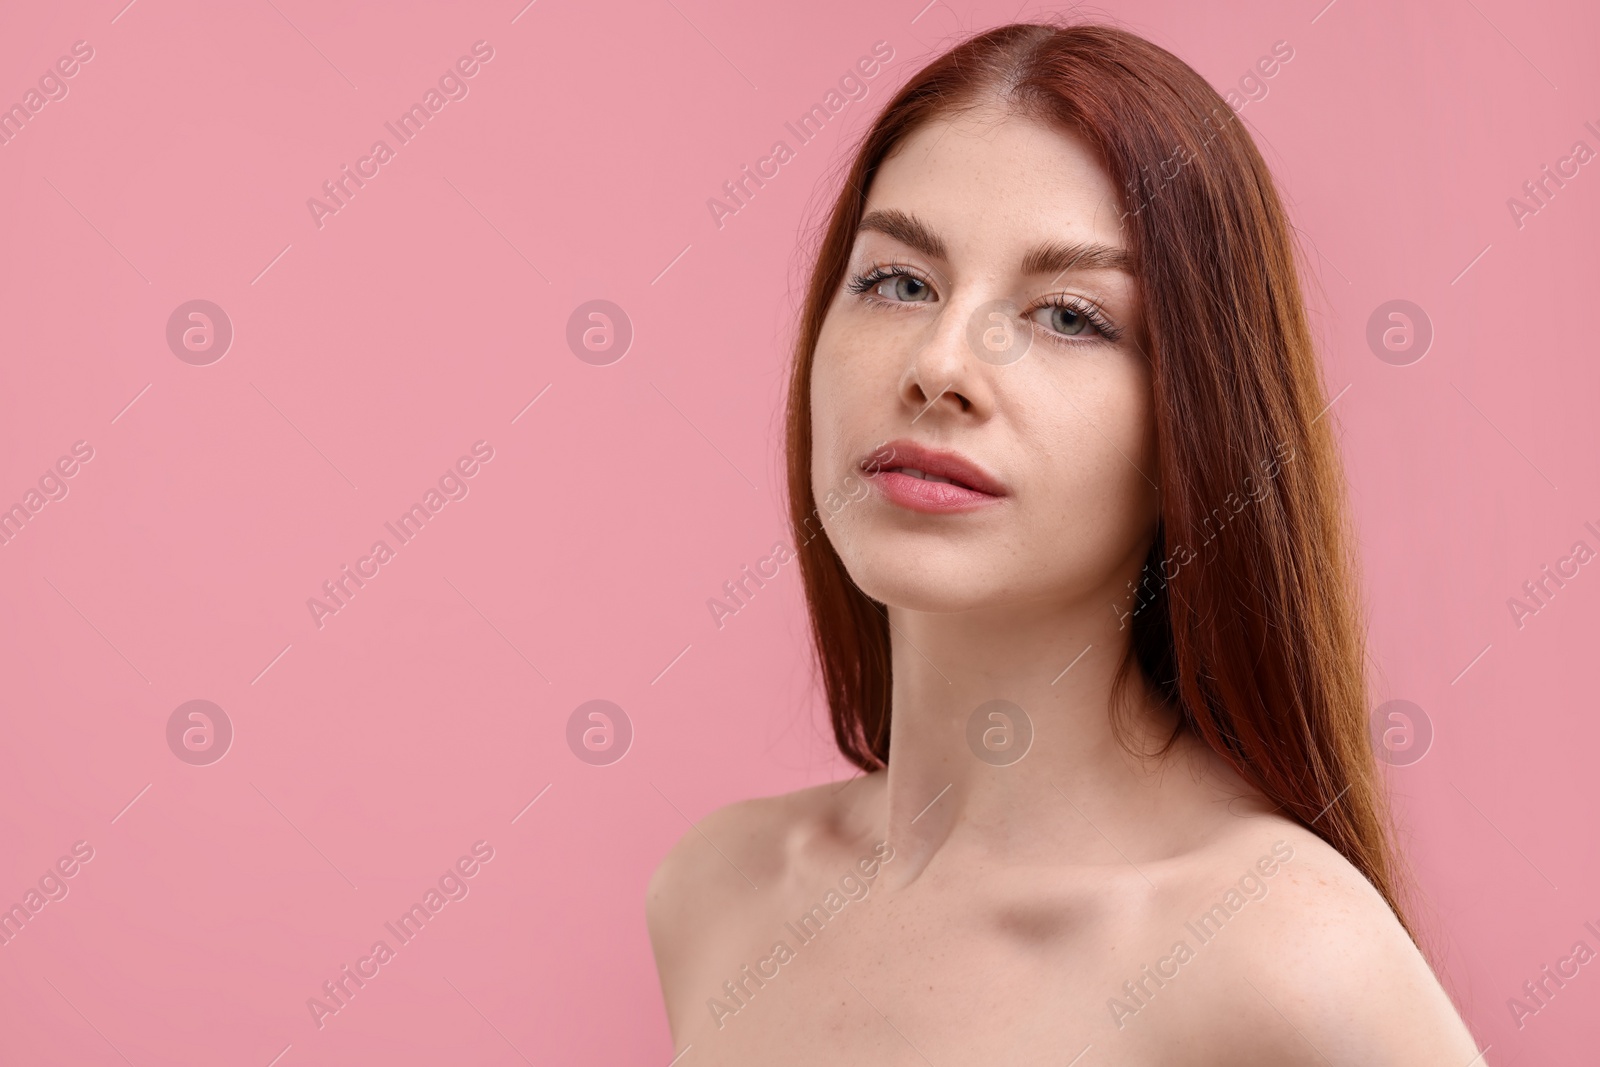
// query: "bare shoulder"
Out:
[706,891]
[1321,970]
[747,841]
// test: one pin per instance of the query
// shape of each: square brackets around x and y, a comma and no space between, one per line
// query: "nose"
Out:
[943,377]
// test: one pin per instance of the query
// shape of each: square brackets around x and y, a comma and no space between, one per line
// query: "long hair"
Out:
[1253,633]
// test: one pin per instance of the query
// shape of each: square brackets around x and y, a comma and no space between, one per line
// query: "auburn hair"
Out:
[1258,641]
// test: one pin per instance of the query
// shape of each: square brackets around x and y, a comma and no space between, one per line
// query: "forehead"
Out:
[991,181]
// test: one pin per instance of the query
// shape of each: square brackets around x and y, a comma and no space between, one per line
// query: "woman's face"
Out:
[985,318]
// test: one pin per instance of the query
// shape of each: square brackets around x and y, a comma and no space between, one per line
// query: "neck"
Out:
[955,785]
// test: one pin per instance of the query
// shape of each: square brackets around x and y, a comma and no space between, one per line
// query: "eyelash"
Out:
[863,284]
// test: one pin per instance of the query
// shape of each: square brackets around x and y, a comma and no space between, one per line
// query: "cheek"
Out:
[844,387]
[1132,418]
[1126,418]
[1096,455]
[828,402]
[1138,420]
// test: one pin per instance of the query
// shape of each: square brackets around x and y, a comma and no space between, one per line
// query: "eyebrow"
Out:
[907,229]
[1054,257]
[1059,257]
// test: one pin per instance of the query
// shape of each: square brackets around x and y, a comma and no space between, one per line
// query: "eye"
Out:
[1072,317]
[894,284]
[903,287]
[1066,320]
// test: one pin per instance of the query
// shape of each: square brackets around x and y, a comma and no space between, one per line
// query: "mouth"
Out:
[912,472]
[930,480]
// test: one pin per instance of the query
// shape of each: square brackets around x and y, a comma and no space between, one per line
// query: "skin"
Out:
[1016,901]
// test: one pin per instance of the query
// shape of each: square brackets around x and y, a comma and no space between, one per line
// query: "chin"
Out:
[934,573]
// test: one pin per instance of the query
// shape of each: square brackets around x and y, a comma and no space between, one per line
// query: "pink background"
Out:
[370,353]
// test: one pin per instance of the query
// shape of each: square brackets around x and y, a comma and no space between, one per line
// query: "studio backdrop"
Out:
[394,550]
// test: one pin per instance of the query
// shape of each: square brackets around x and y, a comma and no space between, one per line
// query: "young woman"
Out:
[1070,520]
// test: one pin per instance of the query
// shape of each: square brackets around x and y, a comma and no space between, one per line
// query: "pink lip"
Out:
[970,486]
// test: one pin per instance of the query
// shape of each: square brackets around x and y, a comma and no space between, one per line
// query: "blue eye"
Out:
[892,283]
[904,287]
[1070,317]
[1061,316]
[1069,321]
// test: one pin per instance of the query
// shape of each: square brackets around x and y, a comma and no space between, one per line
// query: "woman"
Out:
[1092,635]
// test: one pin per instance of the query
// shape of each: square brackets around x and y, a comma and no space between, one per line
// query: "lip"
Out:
[970,486]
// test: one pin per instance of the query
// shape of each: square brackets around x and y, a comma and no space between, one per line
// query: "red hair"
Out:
[1258,643]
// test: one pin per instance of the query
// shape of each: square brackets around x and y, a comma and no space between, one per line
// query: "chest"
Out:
[939,977]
